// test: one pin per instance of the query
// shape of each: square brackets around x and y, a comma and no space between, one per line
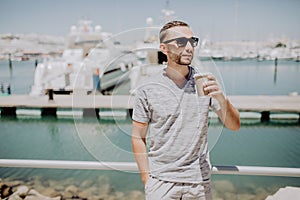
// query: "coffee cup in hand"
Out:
[200,80]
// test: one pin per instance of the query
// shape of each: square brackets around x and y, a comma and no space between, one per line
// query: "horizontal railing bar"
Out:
[62,164]
[257,171]
[131,166]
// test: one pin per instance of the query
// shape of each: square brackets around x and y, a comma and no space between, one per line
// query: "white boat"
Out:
[113,62]
[89,54]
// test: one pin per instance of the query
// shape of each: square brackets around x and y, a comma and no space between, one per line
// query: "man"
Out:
[175,120]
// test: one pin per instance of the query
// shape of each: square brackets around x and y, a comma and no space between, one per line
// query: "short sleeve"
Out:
[141,111]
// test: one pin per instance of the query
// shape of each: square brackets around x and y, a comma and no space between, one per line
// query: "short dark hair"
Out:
[163,30]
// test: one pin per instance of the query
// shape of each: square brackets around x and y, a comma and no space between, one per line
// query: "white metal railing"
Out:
[131,166]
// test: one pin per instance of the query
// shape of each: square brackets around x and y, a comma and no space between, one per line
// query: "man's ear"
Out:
[163,48]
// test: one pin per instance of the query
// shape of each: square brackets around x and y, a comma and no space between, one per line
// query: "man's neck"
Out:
[178,74]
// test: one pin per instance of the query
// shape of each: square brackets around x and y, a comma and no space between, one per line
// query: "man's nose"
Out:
[189,46]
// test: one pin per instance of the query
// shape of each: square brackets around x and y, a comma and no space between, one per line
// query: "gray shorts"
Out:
[157,189]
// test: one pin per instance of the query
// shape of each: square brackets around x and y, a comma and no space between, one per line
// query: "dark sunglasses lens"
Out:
[181,42]
[194,41]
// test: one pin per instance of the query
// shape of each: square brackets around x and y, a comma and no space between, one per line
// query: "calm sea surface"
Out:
[237,77]
[275,144]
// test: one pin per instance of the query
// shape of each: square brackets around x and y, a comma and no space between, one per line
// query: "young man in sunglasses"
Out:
[174,159]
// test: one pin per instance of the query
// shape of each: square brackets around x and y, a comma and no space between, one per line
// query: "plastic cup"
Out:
[200,79]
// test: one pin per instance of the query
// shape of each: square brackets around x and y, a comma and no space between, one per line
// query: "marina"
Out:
[79,144]
[67,92]
[66,130]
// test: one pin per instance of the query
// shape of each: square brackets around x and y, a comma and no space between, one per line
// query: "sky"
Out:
[217,20]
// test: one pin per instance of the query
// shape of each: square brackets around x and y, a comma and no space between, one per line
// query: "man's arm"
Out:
[139,132]
[228,114]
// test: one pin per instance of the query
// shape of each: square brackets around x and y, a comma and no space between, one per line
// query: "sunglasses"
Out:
[182,41]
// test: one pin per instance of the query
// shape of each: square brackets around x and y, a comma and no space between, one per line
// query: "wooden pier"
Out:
[267,104]
[92,103]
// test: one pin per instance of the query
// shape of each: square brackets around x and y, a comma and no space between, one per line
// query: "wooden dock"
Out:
[91,103]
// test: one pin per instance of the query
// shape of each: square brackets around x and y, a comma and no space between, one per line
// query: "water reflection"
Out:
[10,66]
[275,71]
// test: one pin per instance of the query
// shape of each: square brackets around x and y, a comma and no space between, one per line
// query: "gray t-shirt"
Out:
[178,125]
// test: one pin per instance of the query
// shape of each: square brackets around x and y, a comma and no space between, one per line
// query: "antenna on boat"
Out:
[168,13]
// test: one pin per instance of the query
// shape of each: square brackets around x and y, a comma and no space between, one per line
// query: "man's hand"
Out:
[228,114]
[214,89]
[145,177]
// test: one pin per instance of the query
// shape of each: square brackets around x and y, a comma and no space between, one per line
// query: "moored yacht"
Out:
[89,53]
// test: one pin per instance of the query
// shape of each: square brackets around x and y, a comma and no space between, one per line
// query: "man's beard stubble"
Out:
[177,58]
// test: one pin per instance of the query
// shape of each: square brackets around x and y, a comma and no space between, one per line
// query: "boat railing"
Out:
[132,167]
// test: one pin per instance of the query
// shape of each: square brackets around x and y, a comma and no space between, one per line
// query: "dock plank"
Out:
[67,101]
[247,103]
[266,103]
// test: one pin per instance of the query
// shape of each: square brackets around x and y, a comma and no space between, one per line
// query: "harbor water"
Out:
[272,144]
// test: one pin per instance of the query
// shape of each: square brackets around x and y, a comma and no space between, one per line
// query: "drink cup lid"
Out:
[200,75]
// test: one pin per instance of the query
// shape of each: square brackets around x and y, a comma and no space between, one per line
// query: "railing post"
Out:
[50,95]
[9,111]
[265,116]
[49,112]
